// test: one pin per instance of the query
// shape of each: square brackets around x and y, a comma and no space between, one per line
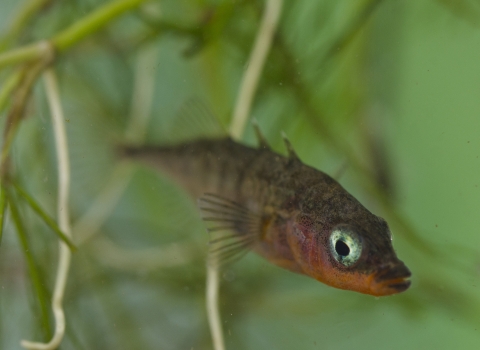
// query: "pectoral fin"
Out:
[233,228]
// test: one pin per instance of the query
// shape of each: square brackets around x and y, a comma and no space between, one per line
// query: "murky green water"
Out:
[389,90]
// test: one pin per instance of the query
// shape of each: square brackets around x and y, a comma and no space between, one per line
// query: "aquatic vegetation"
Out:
[380,95]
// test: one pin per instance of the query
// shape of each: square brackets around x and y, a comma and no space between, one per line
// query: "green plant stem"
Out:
[32,267]
[72,35]
[8,86]
[3,207]
[92,23]
[16,112]
[25,14]
[314,117]
[22,54]
[350,31]
[46,218]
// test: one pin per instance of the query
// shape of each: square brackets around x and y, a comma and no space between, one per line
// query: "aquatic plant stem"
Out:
[3,210]
[26,12]
[33,270]
[61,145]
[144,259]
[254,68]
[213,312]
[9,85]
[248,87]
[143,94]
[103,205]
[315,119]
[89,224]
[17,110]
[45,217]
[72,35]
[141,109]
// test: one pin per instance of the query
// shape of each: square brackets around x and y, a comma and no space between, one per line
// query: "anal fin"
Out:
[233,228]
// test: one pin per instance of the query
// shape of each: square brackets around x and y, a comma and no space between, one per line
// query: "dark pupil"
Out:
[341,248]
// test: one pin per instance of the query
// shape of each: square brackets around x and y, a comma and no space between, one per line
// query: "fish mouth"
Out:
[393,279]
[399,285]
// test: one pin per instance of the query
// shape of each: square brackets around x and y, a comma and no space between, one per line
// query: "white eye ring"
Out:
[345,245]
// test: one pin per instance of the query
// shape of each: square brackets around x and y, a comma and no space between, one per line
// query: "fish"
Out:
[293,215]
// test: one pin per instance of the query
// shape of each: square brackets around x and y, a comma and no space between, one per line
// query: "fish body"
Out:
[293,215]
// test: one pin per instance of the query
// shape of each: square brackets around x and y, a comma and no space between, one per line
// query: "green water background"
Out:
[407,82]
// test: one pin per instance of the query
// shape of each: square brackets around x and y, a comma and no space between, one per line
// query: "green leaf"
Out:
[33,270]
[46,218]
[3,207]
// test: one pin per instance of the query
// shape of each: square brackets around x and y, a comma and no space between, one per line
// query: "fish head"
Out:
[349,252]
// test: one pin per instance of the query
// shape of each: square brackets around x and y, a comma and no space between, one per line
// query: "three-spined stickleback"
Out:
[293,215]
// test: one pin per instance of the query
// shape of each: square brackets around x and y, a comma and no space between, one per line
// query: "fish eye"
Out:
[345,246]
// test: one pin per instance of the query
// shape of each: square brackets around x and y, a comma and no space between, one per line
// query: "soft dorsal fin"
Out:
[262,142]
[340,171]
[194,121]
[288,145]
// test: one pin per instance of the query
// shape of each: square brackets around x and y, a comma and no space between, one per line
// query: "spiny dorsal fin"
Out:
[262,142]
[288,145]
[233,228]
[194,121]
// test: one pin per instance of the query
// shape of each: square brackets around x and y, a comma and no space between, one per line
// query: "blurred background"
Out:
[388,91]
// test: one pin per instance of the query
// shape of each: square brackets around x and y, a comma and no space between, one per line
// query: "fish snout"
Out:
[392,278]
